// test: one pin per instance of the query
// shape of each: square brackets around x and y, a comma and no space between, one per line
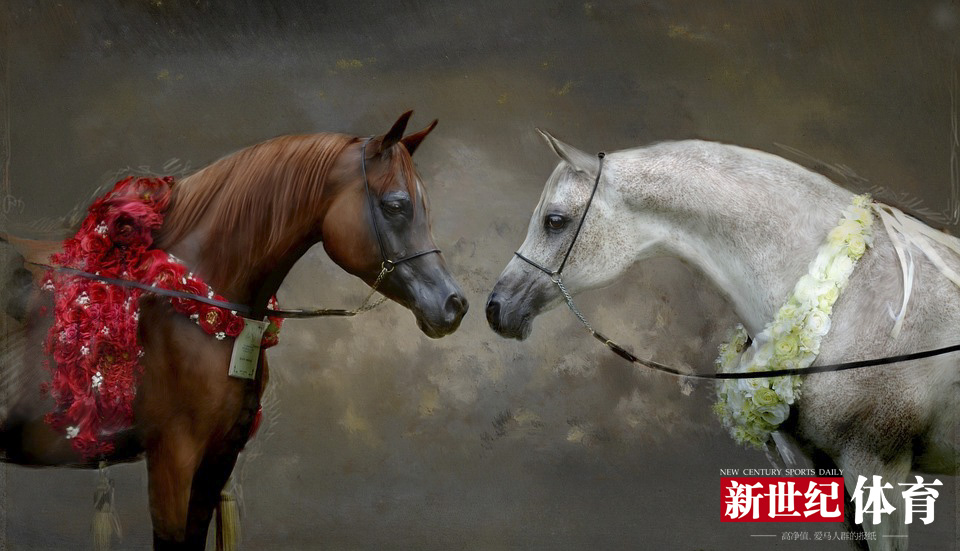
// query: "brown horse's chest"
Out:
[184,383]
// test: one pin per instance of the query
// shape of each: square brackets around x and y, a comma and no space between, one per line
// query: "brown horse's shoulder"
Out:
[184,382]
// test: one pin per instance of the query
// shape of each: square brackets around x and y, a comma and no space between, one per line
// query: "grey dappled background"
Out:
[378,437]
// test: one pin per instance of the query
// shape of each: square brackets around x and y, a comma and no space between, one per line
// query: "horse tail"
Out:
[29,266]
[19,373]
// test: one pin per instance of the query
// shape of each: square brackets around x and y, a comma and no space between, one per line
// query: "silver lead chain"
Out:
[366,306]
[573,307]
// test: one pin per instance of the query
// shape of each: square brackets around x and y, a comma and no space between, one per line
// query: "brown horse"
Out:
[241,223]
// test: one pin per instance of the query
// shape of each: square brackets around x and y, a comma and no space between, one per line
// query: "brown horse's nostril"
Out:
[457,305]
[493,312]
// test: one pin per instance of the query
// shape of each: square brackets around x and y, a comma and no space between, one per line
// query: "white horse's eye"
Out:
[555,222]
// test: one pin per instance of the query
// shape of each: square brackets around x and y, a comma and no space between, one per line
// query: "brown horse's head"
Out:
[391,204]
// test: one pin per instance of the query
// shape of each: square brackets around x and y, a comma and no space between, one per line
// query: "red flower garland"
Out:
[93,340]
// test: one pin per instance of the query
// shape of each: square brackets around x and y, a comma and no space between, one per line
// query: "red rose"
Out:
[118,294]
[73,314]
[94,244]
[212,319]
[148,264]
[98,292]
[68,335]
[132,223]
[66,354]
[234,325]
[195,287]
[166,274]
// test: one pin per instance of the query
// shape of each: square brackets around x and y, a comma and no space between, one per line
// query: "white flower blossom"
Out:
[72,432]
[96,380]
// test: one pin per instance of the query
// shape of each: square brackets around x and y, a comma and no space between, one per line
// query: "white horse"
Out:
[752,222]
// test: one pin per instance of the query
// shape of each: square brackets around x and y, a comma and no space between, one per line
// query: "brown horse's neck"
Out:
[243,222]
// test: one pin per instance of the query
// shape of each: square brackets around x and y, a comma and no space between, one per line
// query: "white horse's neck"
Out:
[751,221]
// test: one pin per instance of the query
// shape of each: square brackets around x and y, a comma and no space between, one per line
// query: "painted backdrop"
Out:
[378,437]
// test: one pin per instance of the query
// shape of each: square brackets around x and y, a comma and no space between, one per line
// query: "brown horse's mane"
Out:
[255,198]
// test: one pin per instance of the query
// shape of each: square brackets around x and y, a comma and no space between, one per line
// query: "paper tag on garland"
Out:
[246,349]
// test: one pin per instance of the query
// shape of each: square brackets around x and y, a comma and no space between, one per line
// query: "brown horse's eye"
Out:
[555,222]
[393,207]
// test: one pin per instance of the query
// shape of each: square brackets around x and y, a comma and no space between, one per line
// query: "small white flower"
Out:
[136,315]
[72,432]
[101,228]
[48,285]
[82,299]
[85,350]
[220,335]
[210,293]
[194,317]
[818,323]
[96,380]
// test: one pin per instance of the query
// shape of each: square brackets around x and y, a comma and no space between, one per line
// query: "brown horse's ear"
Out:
[396,132]
[412,142]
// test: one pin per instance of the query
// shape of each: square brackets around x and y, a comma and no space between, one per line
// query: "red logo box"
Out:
[781,499]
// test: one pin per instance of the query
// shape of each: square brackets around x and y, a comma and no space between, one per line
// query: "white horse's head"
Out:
[605,247]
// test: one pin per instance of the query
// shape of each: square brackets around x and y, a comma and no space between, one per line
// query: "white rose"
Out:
[840,268]
[818,323]
[735,398]
[775,414]
[857,245]
[807,291]
[783,386]
[828,297]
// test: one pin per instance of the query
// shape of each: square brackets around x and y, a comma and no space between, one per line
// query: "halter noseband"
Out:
[555,274]
[387,265]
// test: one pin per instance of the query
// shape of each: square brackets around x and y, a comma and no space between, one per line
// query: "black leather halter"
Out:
[555,274]
[387,264]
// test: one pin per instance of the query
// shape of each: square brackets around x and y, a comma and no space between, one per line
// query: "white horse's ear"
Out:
[581,161]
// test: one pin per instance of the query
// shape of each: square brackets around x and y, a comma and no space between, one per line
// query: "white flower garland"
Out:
[751,409]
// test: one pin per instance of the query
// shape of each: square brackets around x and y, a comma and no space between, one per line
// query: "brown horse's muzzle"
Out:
[426,287]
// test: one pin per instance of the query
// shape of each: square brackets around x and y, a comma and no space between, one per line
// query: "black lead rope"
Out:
[387,265]
[241,309]
[555,276]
